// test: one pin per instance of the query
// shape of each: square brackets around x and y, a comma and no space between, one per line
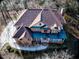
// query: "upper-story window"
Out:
[56,27]
[20,39]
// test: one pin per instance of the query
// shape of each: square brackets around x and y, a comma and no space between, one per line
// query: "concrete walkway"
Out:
[6,35]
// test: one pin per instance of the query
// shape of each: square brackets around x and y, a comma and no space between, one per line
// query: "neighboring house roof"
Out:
[48,17]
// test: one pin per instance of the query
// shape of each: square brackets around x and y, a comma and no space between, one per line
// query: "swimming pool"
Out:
[54,37]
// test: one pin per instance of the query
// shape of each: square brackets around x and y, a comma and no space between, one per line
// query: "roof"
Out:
[19,32]
[28,17]
[48,17]
[23,32]
[28,34]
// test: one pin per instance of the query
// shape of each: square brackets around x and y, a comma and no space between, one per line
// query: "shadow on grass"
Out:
[1,57]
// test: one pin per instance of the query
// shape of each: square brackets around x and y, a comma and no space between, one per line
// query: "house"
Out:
[40,25]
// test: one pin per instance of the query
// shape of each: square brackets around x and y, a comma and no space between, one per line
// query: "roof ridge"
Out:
[21,15]
[35,21]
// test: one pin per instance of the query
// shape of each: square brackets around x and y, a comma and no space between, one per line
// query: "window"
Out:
[40,24]
[56,27]
[28,39]
[20,39]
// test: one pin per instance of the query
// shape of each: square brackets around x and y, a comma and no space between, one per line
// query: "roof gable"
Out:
[23,33]
[19,32]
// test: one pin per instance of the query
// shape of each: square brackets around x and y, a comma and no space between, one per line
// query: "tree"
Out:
[3,16]
[1,0]
[72,7]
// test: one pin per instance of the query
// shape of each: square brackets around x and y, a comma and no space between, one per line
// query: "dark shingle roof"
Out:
[19,32]
[28,34]
[60,17]
[48,17]
[28,17]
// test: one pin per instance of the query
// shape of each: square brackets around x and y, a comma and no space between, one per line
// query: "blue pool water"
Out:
[53,36]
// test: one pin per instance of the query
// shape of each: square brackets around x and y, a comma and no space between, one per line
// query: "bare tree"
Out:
[1,10]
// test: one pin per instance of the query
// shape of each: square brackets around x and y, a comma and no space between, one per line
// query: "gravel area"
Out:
[43,55]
